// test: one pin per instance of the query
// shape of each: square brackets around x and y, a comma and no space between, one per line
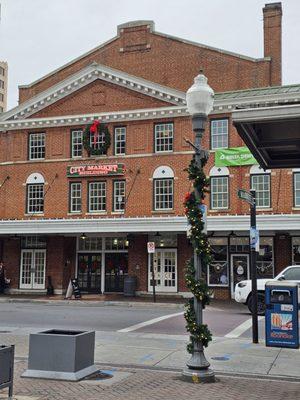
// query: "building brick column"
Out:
[282,252]
[184,253]
[138,261]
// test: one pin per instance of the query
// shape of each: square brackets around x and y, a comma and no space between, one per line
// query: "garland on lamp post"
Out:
[199,240]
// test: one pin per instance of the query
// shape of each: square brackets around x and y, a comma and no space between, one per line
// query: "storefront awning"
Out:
[272,134]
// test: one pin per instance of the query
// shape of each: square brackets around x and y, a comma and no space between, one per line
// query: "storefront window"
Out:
[296,250]
[264,261]
[239,244]
[162,240]
[90,244]
[218,268]
[116,243]
[33,242]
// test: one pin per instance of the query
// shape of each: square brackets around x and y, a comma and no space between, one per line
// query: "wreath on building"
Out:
[96,138]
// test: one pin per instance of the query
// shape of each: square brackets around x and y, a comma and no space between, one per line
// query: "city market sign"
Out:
[95,170]
[234,157]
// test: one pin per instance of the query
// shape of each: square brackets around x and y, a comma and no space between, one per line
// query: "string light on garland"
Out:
[199,240]
[96,138]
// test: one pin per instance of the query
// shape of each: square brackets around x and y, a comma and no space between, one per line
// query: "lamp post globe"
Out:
[200,99]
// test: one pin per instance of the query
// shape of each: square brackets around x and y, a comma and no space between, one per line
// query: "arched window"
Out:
[163,187]
[219,188]
[261,183]
[35,193]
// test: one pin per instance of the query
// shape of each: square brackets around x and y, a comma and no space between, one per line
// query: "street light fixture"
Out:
[200,98]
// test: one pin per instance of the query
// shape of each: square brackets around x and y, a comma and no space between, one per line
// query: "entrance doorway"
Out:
[239,269]
[33,269]
[89,272]
[116,268]
[165,270]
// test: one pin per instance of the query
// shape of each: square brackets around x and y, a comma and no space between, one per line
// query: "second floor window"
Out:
[297,189]
[36,146]
[163,194]
[1,97]
[261,184]
[97,196]
[1,84]
[119,195]
[35,198]
[75,197]
[219,194]
[76,145]
[164,137]
[120,140]
[218,134]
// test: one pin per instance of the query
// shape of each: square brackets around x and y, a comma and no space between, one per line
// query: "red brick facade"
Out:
[143,53]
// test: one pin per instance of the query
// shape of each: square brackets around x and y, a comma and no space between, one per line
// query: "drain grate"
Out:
[5,331]
[221,358]
[98,376]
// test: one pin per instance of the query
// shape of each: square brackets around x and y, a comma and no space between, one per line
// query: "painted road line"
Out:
[149,322]
[239,330]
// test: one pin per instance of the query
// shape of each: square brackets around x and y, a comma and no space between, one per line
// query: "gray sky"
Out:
[38,36]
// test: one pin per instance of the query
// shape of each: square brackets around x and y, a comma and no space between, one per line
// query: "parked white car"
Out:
[243,289]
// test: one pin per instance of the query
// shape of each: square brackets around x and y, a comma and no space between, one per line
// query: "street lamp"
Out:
[200,98]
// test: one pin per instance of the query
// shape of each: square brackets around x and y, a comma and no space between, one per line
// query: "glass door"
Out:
[116,268]
[33,269]
[89,272]
[239,269]
[164,263]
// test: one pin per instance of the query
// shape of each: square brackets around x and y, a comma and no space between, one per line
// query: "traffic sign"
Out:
[151,247]
[244,195]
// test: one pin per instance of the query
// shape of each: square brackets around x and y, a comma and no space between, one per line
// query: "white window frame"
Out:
[119,190]
[37,151]
[213,194]
[32,285]
[76,143]
[160,275]
[160,184]
[97,192]
[75,201]
[120,140]
[217,133]
[296,188]
[164,137]
[31,189]
[262,192]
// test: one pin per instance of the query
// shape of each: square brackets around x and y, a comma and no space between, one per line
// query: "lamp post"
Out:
[200,98]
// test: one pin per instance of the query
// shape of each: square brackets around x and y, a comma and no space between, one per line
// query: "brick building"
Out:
[3,85]
[67,213]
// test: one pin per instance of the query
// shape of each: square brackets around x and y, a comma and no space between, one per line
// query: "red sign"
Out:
[95,170]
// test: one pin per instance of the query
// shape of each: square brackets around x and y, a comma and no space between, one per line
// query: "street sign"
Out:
[151,247]
[244,195]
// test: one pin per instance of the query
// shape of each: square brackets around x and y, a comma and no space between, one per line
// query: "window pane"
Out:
[75,197]
[164,137]
[35,198]
[219,192]
[97,196]
[76,143]
[36,146]
[297,189]
[219,133]
[120,140]
[163,194]
[261,183]
[119,195]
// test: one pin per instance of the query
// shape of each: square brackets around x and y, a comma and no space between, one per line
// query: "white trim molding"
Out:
[177,224]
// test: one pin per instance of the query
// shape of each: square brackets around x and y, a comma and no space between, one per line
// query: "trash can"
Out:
[282,326]
[7,354]
[130,285]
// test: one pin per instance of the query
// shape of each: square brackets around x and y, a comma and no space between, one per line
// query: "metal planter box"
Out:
[61,354]
[7,354]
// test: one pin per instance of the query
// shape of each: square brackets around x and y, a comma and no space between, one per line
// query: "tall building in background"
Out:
[3,85]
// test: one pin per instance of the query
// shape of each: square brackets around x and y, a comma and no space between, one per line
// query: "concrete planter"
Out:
[7,368]
[61,354]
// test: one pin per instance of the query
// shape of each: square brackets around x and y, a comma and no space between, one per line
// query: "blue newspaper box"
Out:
[282,326]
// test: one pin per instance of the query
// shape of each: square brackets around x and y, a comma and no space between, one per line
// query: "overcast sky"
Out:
[38,36]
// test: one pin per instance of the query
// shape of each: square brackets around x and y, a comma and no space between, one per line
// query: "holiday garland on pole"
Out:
[199,240]
[91,136]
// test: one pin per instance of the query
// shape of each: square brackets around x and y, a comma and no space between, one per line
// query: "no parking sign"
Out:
[151,247]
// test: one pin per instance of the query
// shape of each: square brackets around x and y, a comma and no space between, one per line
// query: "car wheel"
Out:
[261,305]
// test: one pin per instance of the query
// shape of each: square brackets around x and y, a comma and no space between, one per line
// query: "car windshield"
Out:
[291,274]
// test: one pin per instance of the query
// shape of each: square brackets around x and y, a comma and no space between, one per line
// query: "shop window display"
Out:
[218,268]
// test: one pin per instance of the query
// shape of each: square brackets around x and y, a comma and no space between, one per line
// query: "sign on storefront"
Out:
[95,170]
[234,157]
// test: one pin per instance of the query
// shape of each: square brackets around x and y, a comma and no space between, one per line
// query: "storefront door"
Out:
[116,268]
[89,272]
[239,269]
[165,270]
[33,269]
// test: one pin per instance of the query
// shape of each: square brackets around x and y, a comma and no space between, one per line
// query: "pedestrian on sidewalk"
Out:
[2,278]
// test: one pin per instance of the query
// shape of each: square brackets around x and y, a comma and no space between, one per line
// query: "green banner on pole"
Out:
[234,157]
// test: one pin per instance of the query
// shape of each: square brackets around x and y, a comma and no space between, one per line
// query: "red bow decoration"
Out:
[94,130]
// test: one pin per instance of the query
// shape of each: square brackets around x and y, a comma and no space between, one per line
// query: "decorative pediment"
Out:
[86,76]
